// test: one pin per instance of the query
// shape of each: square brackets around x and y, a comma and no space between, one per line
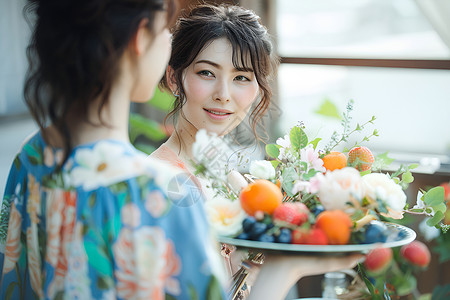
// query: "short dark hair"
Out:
[205,23]
[74,54]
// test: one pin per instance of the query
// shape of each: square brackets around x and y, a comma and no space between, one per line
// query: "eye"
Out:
[205,73]
[241,78]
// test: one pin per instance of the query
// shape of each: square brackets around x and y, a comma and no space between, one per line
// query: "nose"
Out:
[222,92]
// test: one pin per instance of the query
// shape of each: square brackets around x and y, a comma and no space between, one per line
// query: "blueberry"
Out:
[317,210]
[243,236]
[266,238]
[376,232]
[257,229]
[248,223]
[285,236]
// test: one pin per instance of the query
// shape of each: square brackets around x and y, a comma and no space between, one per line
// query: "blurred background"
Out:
[392,57]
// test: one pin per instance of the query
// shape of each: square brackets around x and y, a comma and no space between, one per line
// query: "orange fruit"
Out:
[337,226]
[334,160]
[261,195]
[361,158]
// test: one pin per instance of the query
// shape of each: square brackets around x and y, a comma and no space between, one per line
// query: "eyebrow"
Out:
[215,65]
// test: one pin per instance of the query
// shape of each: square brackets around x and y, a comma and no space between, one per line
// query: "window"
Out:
[384,54]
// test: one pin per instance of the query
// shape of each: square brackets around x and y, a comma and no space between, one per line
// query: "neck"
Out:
[111,123]
[182,139]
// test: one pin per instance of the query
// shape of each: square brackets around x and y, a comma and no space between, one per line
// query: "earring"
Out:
[175,94]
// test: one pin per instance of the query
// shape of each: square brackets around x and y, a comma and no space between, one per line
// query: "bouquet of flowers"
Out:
[304,193]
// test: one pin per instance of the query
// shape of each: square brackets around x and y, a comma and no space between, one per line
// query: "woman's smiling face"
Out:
[218,96]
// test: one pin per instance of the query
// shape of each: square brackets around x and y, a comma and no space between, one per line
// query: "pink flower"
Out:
[130,215]
[146,262]
[34,261]
[156,204]
[311,156]
[60,229]
[13,245]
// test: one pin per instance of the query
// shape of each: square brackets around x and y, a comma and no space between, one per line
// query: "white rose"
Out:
[381,186]
[337,188]
[224,215]
[262,169]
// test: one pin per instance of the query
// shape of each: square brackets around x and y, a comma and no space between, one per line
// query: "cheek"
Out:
[195,89]
[246,98]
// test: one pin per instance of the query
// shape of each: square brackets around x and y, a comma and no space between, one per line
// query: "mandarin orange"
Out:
[337,226]
[261,195]
[334,160]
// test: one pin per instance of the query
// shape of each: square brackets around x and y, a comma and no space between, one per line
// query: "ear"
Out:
[170,78]
[141,39]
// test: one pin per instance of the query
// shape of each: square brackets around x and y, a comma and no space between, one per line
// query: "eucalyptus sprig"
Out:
[337,138]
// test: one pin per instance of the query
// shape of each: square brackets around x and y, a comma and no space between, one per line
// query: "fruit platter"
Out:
[306,197]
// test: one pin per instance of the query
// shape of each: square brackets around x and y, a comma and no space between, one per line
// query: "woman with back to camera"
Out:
[85,215]
[221,64]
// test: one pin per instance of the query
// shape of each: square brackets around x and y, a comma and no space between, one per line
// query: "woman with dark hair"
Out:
[221,64]
[85,215]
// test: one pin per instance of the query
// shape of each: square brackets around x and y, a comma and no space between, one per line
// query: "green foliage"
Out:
[443,246]
[298,138]
[272,150]
[162,100]
[441,292]
[338,138]
[328,109]
[140,125]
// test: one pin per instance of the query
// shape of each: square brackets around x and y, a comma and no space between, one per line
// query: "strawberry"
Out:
[313,236]
[416,253]
[378,260]
[293,213]
[361,158]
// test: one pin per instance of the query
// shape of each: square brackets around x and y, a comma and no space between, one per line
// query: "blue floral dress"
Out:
[112,224]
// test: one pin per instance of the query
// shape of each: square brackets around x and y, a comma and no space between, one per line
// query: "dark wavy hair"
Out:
[205,23]
[74,54]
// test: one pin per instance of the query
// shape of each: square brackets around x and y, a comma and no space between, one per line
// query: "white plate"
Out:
[398,236]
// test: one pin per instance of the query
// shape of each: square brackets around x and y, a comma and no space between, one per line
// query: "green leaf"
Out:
[434,196]
[272,150]
[214,290]
[298,138]
[33,154]
[289,175]
[162,100]
[413,166]
[441,292]
[193,295]
[433,221]
[328,109]
[315,142]
[151,129]
[381,161]
[275,163]
[407,177]
[98,258]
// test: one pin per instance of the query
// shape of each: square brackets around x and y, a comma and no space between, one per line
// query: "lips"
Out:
[217,113]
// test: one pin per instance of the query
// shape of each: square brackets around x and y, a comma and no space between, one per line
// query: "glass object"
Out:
[334,284]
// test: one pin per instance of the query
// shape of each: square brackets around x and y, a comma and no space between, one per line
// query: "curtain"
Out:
[14,35]
[438,14]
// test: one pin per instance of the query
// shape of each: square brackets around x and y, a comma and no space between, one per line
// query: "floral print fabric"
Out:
[105,227]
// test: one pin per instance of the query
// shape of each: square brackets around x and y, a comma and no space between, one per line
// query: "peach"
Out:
[378,260]
[416,253]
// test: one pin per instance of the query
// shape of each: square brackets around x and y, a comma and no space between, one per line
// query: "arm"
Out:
[279,273]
